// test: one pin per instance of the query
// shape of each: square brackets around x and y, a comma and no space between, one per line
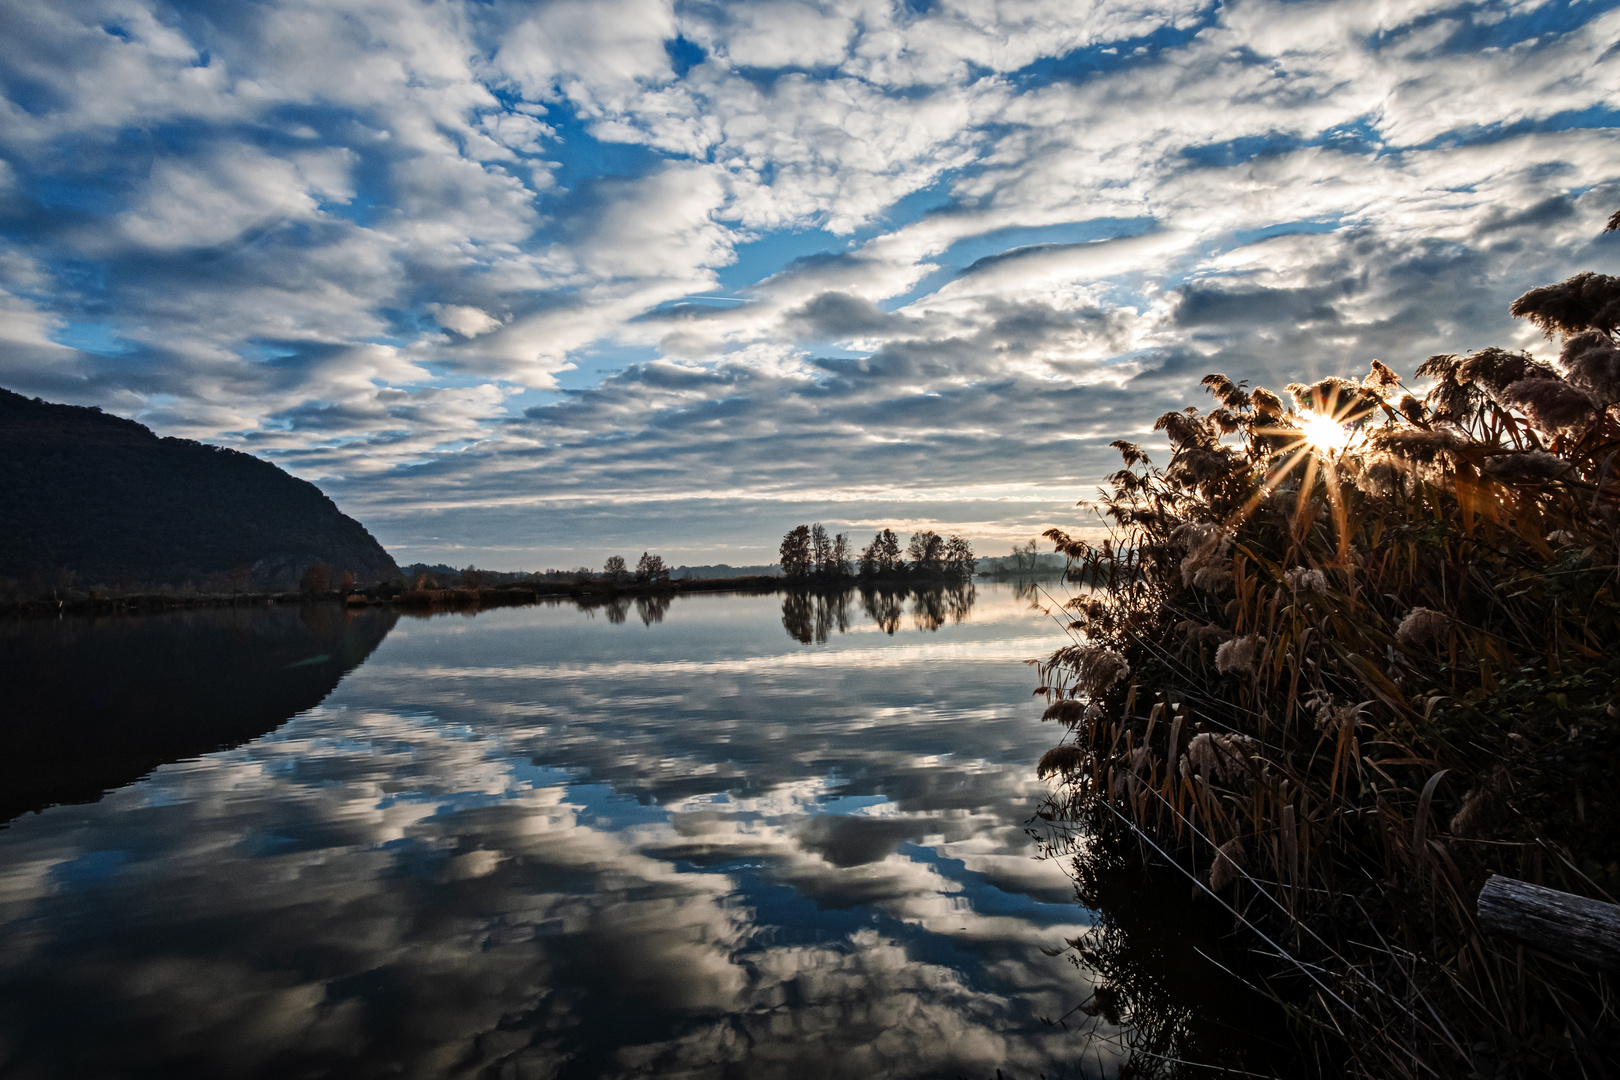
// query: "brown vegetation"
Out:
[1345,660]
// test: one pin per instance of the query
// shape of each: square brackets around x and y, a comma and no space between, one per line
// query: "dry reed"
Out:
[1342,686]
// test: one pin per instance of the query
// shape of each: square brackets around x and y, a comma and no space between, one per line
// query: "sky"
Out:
[528,284]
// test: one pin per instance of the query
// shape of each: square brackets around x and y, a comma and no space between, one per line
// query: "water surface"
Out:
[728,836]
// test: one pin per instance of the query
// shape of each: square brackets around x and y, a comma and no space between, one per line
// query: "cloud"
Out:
[467,321]
[787,35]
[205,203]
[943,236]
[1048,267]
[589,51]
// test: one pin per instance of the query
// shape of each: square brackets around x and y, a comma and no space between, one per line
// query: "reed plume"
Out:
[1340,686]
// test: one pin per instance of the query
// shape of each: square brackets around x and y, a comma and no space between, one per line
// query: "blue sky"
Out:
[527,284]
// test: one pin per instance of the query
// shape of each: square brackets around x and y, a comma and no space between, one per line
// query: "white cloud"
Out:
[773,35]
[200,203]
[315,214]
[1047,269]
[469,322]
[597,52]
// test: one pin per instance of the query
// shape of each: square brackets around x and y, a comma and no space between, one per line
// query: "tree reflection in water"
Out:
[811,617]
[650,609]
[885,607]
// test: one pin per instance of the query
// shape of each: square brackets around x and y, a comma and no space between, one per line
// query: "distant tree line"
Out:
[650,569]
[808,553]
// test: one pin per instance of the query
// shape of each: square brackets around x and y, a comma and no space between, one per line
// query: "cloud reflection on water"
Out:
[537,844]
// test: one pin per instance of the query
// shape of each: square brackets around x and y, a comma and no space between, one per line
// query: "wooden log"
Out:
[1557,923]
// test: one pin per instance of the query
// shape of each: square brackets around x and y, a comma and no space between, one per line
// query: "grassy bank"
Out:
[1350,654]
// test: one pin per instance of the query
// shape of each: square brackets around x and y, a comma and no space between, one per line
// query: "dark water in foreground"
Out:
[721,838]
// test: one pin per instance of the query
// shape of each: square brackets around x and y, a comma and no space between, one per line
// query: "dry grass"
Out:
[1341,685]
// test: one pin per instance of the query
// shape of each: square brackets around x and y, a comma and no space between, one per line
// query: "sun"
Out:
[1324,432]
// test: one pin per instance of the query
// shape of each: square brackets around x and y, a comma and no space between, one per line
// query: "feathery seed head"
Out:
[1551,405]
[1592,360]
[1420,625]
[1527,465]
[1306,579]
[1586,301]
[1380,378]
[1267,405]
[1238,655]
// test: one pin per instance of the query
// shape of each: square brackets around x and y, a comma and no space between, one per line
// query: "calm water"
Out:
[733,836]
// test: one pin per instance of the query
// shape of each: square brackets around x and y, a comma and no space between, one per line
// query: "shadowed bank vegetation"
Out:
[1346,657]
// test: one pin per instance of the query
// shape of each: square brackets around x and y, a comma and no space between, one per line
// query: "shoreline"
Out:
[408,599]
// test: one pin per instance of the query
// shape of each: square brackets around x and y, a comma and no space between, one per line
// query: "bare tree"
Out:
[650,570]
[869,560]
[820,550]
[615,569]
[959,560]
[841,556]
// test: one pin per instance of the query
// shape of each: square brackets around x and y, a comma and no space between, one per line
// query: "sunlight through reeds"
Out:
[1349,655]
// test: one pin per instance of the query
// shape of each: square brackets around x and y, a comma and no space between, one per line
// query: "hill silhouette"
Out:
[95,499]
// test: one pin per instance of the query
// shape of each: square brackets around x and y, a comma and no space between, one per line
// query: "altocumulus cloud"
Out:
[521,282]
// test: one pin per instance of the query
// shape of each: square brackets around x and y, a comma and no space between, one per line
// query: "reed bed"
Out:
[1350,652]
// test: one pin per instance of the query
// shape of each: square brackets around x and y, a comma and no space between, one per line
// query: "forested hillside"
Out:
[93,499]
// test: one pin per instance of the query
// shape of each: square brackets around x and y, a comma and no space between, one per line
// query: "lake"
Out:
[729,835]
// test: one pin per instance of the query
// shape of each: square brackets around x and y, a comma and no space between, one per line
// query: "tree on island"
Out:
[1024,557]
[811,551]
[795,553]
[614,569]
[932,556]
[650,570]
[927,552]
[959,560]
[881,557]
[840,567]
[820,550]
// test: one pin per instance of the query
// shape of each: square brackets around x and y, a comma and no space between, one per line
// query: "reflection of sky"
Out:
[541,841]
